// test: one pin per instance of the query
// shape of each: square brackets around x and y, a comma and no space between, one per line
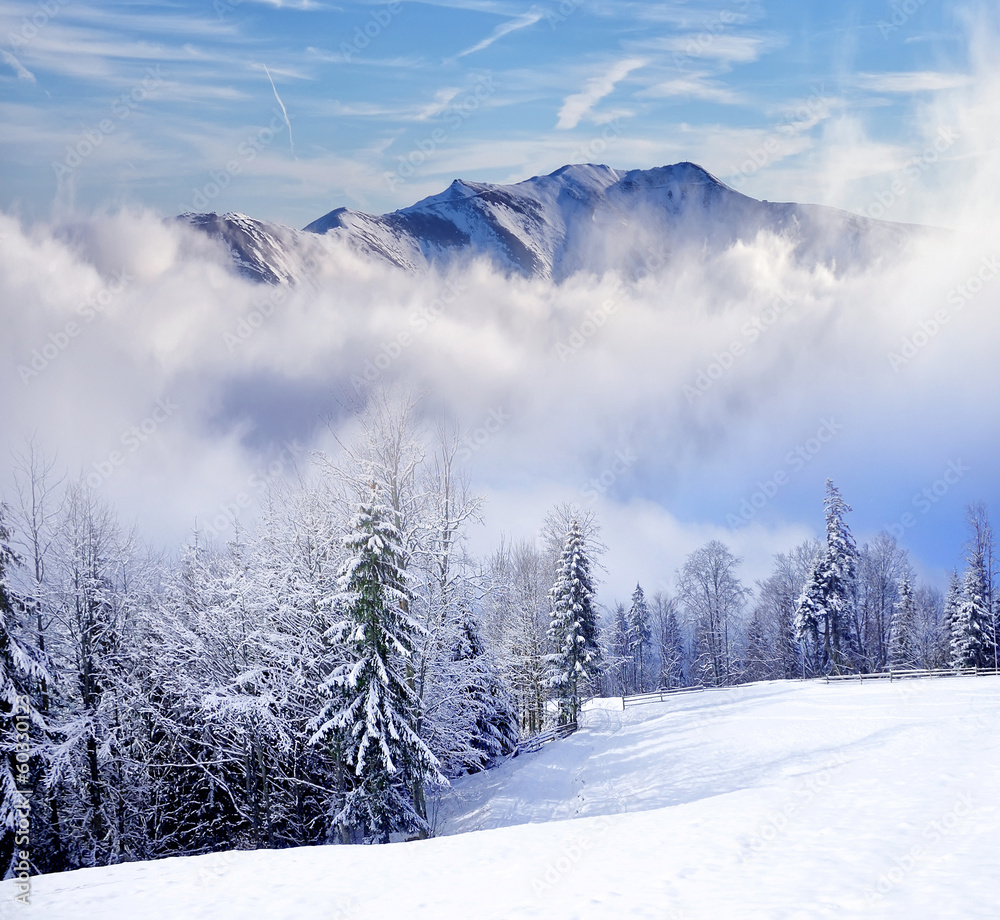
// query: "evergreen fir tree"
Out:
[841,575]
[970,644]
[487,703]
[949,622]
[809,614]
[826,606]
[573,630]
[370,708]
[903,645]
[639,634]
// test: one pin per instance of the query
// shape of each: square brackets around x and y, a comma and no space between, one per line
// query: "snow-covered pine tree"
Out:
[841,576]
[809,614]
[573,630]
[22,670]
[949,622]
[970,645]
[903,644]
[639,634]
[370,706]
[825,610]
[486,702]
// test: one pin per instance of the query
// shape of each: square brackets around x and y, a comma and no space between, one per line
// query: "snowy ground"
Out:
[771,801]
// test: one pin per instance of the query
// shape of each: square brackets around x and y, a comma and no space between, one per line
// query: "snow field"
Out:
[775,800]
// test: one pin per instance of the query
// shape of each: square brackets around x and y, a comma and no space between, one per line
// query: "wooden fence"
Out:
[535,742]
[911,673]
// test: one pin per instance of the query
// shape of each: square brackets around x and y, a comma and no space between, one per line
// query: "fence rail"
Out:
[658,696]
[911,673]
[535,742]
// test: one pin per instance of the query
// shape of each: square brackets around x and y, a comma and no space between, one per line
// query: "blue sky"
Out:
[118,113]
[386,103]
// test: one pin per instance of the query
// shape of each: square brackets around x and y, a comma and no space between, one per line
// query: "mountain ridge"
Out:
[580,218]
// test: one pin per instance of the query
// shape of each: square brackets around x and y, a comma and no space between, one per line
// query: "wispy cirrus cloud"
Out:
[305,5]
[505,28]
[22,72]
[338,57]
[694,86]
[921,81]
[419,112]
[726,49]
[578,105]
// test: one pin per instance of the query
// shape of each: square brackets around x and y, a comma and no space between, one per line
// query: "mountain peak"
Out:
[583,217]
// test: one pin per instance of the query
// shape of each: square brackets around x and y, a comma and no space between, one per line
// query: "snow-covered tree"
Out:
[713,596]
[826,608]
[882,566]
[516,619]
[903,645]
[980,553]
[972,628]
[22,670]
[573,630]
[669,640]
[616,658]
[370,705]
[759,661]
[481,712]
[639,635]
[810,615]
[777,601]
[930,610]
[93,629]
[949,622]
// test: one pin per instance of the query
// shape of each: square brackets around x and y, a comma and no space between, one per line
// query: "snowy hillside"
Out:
[769,801]
[579,218]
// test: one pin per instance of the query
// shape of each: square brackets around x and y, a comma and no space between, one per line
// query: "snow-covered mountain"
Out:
[578,218]
[260,250]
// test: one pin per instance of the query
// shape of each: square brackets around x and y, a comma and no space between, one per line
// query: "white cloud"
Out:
[22,72]
[912,82]
[505,28]
[305,5]
[694,86]
[575,107]
[442,99]
[622,390]
[729,49]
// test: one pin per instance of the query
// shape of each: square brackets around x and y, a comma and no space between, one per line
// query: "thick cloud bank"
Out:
[711,398]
